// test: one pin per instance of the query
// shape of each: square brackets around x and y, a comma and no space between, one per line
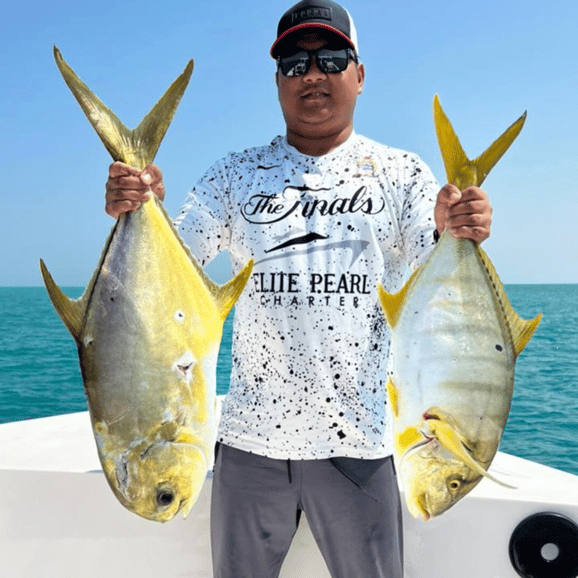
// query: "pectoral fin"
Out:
[460,170]
[448,438]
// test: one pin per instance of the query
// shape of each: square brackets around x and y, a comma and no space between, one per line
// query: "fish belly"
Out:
[452,347]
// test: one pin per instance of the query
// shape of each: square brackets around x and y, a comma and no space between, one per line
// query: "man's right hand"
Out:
[127,188]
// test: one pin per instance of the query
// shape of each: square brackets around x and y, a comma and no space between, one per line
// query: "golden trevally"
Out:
[455,340]
[148,329]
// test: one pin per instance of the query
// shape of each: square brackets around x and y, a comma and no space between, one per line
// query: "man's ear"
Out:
[360,77]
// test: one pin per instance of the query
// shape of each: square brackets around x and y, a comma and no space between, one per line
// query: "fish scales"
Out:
[455,341]
[148,329]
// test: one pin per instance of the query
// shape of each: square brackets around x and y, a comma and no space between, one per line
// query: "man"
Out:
[326,214]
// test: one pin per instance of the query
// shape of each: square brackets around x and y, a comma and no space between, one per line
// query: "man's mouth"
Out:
[315,94]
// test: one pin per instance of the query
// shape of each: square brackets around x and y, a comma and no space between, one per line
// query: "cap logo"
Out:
[307,13]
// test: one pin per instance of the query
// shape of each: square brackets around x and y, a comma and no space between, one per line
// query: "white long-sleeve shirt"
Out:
[310,342]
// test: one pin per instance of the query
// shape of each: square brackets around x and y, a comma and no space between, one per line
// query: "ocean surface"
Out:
[40,376]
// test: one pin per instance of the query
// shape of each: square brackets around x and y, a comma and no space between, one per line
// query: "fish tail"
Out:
[136,147]
[460,170]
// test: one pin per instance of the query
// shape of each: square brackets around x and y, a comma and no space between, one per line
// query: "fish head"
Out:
[438,466]
[161,480]
[434,482]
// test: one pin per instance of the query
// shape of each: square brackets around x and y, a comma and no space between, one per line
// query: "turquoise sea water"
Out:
[39,373]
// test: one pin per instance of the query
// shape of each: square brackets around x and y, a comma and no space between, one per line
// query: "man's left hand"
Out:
[465,213]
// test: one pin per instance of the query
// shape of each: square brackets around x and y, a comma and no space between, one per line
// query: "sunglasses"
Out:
[329,61]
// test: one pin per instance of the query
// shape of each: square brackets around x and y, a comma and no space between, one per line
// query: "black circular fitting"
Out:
[545,545]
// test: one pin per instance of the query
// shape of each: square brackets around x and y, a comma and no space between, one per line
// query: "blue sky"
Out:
[489,62]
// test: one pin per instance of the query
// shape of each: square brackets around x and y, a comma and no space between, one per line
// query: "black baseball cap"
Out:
[316,14]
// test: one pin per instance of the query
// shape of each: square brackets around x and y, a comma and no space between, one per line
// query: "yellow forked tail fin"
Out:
[136,147]
[460,170]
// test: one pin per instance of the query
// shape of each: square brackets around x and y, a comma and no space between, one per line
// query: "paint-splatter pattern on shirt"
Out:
[310,343]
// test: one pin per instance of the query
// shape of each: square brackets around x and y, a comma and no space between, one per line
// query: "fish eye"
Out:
[165,498]
[454,485]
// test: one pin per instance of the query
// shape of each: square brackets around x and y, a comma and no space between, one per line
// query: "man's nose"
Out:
[314,73]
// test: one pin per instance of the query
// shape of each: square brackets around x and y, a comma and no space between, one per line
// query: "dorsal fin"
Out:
[460,170]
[392,303]
[225,295]
[230,292]
[71,311]
[136,147]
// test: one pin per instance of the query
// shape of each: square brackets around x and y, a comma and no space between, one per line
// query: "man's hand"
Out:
[127,188]
[466,214]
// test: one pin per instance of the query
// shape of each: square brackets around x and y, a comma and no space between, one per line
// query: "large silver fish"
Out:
[455,340]
[148,329]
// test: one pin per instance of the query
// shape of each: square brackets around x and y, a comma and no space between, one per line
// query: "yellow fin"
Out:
[407,440]
[451,441]
[71,311]
[225,295]
[228,294]
[393,396]
[520,329]
[391,303]
[136,147]
[461,171]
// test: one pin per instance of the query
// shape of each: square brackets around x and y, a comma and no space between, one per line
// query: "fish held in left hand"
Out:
[148,329]
[455,341]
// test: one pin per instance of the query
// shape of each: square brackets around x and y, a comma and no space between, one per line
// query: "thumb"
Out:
[447,198]
[152,177]
[449,195]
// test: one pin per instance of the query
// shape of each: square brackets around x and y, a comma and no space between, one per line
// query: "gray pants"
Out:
[352,506]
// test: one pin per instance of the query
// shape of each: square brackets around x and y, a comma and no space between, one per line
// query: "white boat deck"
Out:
[59,519]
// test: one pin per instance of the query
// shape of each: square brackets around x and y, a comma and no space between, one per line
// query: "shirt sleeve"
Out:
[203,221]
[417,219]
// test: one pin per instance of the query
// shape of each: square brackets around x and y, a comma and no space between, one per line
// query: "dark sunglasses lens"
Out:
[328,61]
[332,61]
[295,65]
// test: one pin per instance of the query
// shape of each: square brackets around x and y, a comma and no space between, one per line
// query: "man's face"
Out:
[318,105]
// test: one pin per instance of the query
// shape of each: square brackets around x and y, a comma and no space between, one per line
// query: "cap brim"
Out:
[309,25]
